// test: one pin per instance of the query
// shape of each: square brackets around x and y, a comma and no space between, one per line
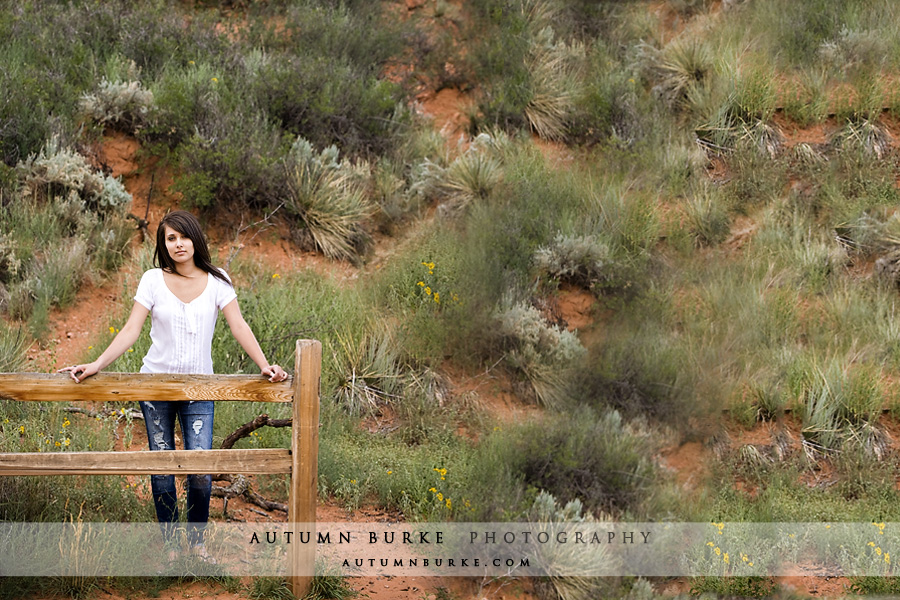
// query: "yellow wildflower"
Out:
[440,497]
[215,80]
[21,429]
[725,558]
[57,444]
[887,557]
[878,551]
[710,544]
[66,423]
[428,290]
[432,490]
[66,442]
[112,329]
[421,284]
[448,503]
[718,551]
[437,297]
[872,544]
[276,276]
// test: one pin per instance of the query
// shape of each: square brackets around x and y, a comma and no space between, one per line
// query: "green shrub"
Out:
[608,104]
[837,401]
[601,460]
[236,160]
[368,369]
[641,379]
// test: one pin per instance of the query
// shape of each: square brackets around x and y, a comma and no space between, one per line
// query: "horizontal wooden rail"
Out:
[129,387]
[147,462]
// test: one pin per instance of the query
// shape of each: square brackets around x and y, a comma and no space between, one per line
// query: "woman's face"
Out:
[179,246]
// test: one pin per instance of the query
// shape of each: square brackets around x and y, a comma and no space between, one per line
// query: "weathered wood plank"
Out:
[147,462]
[127,387]
[305,454]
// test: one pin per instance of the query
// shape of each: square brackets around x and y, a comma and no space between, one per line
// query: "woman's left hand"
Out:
[274,373]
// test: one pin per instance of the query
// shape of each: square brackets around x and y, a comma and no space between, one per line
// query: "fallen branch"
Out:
[247,428]
[240,486]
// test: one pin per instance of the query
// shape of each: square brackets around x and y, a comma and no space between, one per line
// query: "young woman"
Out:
[184,295]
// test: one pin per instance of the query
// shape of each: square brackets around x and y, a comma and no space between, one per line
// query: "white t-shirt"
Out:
[181,333]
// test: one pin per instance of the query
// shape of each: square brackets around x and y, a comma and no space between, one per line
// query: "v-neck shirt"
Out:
[181,332]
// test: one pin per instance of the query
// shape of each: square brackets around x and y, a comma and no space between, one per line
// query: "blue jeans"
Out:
[196,420]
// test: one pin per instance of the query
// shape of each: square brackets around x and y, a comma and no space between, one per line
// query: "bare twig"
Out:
[236,247]
[143,224]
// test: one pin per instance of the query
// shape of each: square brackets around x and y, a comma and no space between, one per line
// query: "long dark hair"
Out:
[187,225]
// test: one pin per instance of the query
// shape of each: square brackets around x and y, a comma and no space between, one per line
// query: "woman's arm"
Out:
[244,336]
[124,340]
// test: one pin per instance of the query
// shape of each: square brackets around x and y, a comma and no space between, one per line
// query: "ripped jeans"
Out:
[196,420]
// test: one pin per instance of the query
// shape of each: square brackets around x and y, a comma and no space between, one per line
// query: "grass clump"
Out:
[327,196]
[707,217]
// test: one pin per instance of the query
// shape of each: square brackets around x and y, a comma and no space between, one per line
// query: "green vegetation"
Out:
[657,170]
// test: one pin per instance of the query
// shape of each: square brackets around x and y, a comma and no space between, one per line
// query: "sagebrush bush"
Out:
[585,261]
[58,171]
[543,353]
[546,515]
[118,104]
[68,224]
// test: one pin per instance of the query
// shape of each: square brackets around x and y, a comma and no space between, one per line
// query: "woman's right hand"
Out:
[84,371]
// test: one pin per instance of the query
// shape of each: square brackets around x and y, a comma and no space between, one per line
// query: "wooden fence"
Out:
[301,460]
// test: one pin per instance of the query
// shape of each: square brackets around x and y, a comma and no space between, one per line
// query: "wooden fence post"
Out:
[304,462]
